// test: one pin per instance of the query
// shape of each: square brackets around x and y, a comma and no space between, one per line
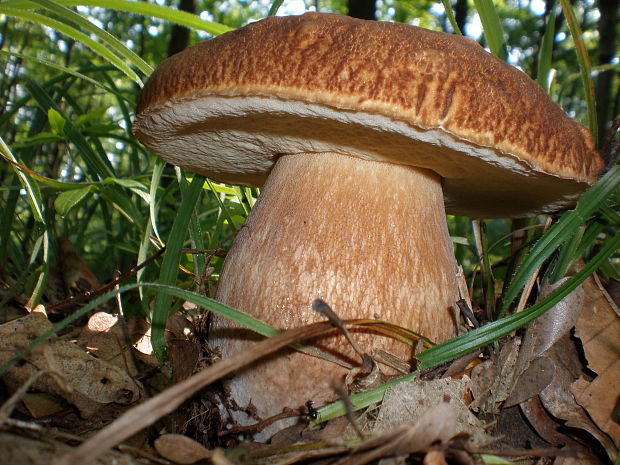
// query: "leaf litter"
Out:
[560,374]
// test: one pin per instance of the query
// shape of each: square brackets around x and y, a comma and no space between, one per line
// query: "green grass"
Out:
[63,174]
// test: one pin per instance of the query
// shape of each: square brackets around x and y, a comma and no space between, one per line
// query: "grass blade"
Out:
[107,39]
[31,188]
[546,53]
[98,166]
[164,13]
[493,31]
[170,264]
[275,6]
[584,65]
[158,170]
[75,34]
[561,232]
[491,332]
[64,69]
[447,6]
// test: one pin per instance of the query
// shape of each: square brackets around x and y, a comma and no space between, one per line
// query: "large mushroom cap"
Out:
[228,107]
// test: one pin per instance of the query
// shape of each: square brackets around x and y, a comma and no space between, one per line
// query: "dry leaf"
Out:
[103,337]
[493,380]
[437,425]
[435,457]
[87,382]
[408,402]
[41,405]
[598,328]
[21,450]
[75,271]
[560,402]
[534,371]
[590,460]
[542,423]
[181,449]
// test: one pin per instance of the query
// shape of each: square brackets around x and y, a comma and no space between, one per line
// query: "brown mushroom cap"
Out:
[228,107]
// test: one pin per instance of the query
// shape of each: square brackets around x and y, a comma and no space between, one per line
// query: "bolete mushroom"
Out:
[359,133]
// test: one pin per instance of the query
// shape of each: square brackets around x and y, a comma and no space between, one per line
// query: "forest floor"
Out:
[95,393]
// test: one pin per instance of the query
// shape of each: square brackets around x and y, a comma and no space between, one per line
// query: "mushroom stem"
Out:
[369,238]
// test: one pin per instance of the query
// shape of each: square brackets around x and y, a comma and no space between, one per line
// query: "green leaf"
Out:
[31,187]
[69,199]
[584,65]
[491,332]
[105,37]
[494,460]
[38,139]
[57,122]
[97,165]
[95,115]
[170,264]
[122,203]
[546,54]
[493,31]
[450,14]
[133,185]
[561,232]
[168,14]
[75,34]
[64,69]
[223,208]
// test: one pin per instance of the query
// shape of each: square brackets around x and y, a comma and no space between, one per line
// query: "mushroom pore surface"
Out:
[368,238]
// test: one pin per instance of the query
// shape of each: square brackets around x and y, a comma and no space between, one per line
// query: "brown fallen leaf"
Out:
[560,402]
[598,328]
[75,272]
[22,450]
[591,460]
[181,449]
[87,382]
[103,337]
[534,369]
[156,407]
[438,425]
[408,402]
[40,404]
[493,379]
[543,424]
[435,457]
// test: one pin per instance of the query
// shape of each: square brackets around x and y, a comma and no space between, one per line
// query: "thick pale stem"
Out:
[368,238]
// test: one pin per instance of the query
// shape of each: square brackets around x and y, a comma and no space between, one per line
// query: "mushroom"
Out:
[359,133]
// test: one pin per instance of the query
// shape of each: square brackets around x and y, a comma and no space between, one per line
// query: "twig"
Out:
[286,413]
[566,452]
[348,407]
[105,288]
[321,307]
[9,405]
[467,312]
[153,409]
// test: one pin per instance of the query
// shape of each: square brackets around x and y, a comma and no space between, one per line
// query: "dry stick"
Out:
[105,288]
[261,425]
[124,277]
[7,408]
[348,406]
[153,409]
[603,291]
[321,306]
